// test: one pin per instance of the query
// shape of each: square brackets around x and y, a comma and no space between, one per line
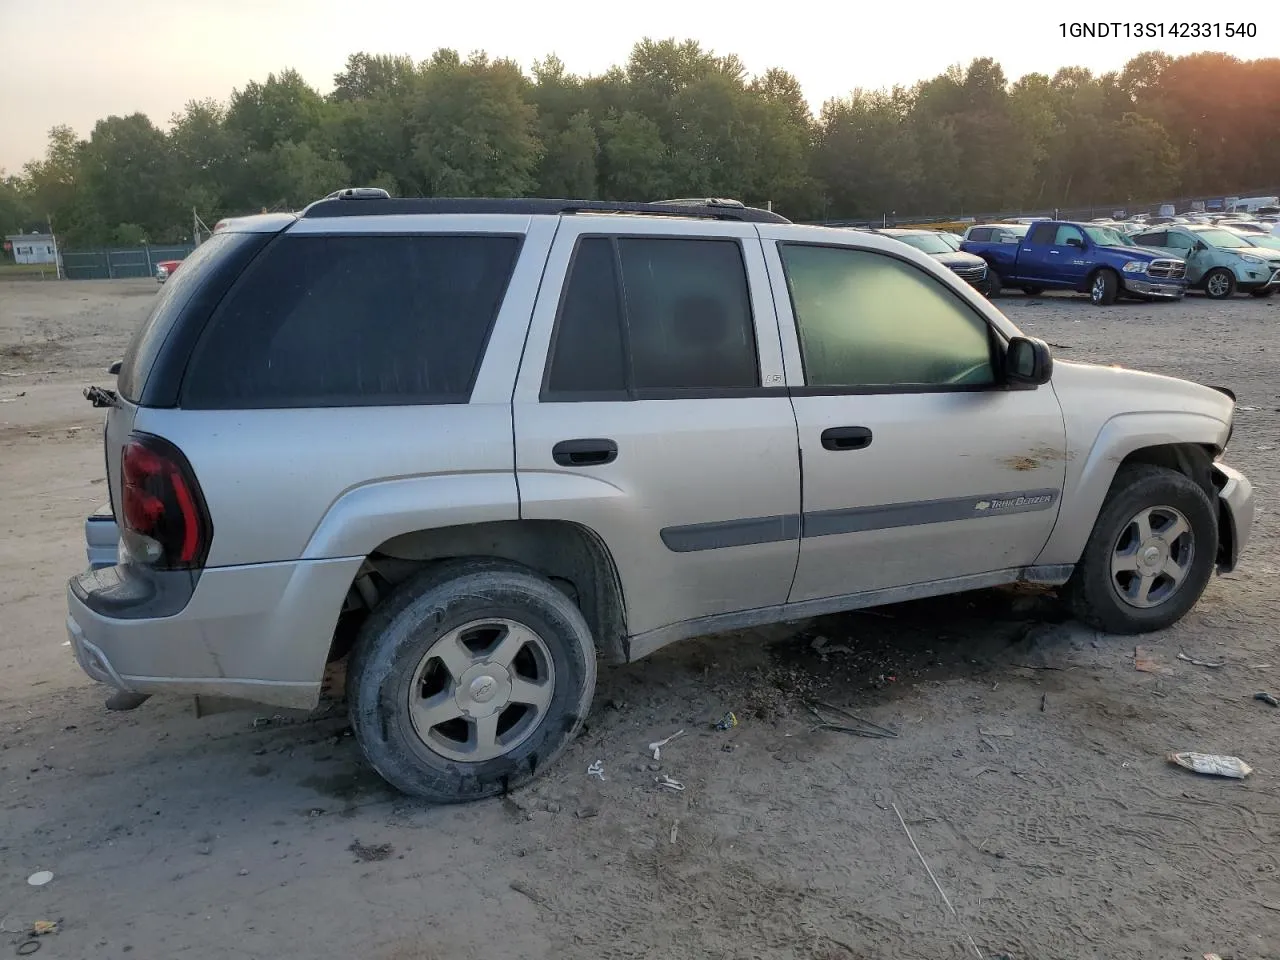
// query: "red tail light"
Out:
[165,521]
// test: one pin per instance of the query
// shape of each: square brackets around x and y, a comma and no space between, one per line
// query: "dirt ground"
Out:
[1030,767]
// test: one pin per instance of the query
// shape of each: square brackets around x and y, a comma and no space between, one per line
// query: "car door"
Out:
[1034,255]
[1182,244]
[919,465]
[651,410]
[1068,258]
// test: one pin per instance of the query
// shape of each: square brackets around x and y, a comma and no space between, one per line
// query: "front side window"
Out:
[653,318]
[1067,235]
[353,321]
[869,320]
[1178,241]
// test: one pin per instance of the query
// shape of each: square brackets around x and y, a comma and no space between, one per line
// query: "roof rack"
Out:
[370,201]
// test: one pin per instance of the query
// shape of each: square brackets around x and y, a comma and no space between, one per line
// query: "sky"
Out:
[76,61]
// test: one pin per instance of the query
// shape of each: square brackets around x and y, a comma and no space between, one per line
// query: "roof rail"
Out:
[339,205]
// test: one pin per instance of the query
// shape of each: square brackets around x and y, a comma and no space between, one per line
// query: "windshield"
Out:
[1107,237]
[1223,239]
[925,242]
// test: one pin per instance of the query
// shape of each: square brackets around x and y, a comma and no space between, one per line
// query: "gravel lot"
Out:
[1030,767]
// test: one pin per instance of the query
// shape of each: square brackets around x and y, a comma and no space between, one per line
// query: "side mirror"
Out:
[1199,247]
[1028,362]
[1075,242]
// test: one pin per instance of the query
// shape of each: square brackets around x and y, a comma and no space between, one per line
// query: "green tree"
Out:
[369,75]
[477,128]
[285,108]
[634,159]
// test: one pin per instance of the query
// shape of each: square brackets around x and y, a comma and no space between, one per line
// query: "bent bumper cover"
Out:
[258,632]
[1235,509]
[1165,289]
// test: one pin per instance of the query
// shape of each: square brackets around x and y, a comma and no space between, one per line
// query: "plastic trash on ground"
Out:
[1211,765]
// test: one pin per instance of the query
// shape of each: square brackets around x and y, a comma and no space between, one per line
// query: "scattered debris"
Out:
[519,886]
[996,731]
[1142,660]
[1267,698]
[27,948]
[1211,664]
[1044,698]
[817,643]
[40,878]
[727,722]
[675,829]
[657,745]
[42,928]
[925,864]
[596,769]
[1211,765]
[368,853]
[666,782]
[586,813]
[867,728]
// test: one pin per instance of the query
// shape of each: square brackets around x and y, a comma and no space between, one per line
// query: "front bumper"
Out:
[1162,289]
[1235,514]
[257,632]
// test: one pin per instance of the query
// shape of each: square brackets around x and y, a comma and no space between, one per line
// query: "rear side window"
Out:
[181,308]
[653,318]
[1043,234]
[981,234]
[326,321]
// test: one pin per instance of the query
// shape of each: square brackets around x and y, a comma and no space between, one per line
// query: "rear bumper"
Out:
[259,632]
[1161,289]
[1235,511]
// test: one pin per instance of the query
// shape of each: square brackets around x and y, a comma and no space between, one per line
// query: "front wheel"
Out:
[1220,284]
[1150,555]
[469,680]
[992,288]
[1104,288]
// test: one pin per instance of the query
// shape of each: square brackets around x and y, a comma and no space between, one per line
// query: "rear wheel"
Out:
[1104,288]
[1150,554]
[1220,284]
[469,680]
[1264,292]
[1033,291]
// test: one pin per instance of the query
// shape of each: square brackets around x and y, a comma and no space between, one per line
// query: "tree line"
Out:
[675,120]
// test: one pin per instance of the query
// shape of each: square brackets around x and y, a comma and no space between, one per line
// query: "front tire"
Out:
[1150,555]
[1104,288]
[469,680]
[1220,284]
[993,283]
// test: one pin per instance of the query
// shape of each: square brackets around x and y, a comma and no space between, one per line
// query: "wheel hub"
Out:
[483,690]
[1151,555]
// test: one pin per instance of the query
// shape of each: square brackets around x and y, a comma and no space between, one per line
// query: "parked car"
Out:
[968,267]
[947,237]
[165,269]
[1059,255]
[484,444]
[1248,226]
[1268,241]
[995,233]
[1219,260]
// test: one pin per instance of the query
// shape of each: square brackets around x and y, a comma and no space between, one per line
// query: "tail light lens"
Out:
[165,521]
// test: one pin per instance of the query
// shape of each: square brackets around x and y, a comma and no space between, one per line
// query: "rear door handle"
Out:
[846,438]
[584,453]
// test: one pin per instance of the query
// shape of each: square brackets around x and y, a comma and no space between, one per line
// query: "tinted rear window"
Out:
[324,321]
[191,283]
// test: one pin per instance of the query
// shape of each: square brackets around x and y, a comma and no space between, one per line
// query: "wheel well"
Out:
[571,556]
[1190,459]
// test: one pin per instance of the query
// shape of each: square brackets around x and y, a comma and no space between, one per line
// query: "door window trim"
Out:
[632,393]
[996,340]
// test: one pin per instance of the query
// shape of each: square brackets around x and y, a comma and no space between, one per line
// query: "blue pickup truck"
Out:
[1087,257]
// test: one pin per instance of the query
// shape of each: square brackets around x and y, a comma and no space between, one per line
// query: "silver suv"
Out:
[481,444]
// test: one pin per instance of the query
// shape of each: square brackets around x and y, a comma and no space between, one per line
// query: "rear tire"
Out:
[1104,287]
[1268,291]
[1219,284]
[469,680]
[1033,291]
[1150,554]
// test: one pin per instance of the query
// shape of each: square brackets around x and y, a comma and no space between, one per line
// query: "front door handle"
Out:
[846,438]
[584,453]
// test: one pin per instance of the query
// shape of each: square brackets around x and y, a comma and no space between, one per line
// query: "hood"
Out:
[958,258]
[1265,253]
[1113,390]
[1142,253]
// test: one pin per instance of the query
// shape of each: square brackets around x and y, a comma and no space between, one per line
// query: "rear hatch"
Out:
[153,365]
